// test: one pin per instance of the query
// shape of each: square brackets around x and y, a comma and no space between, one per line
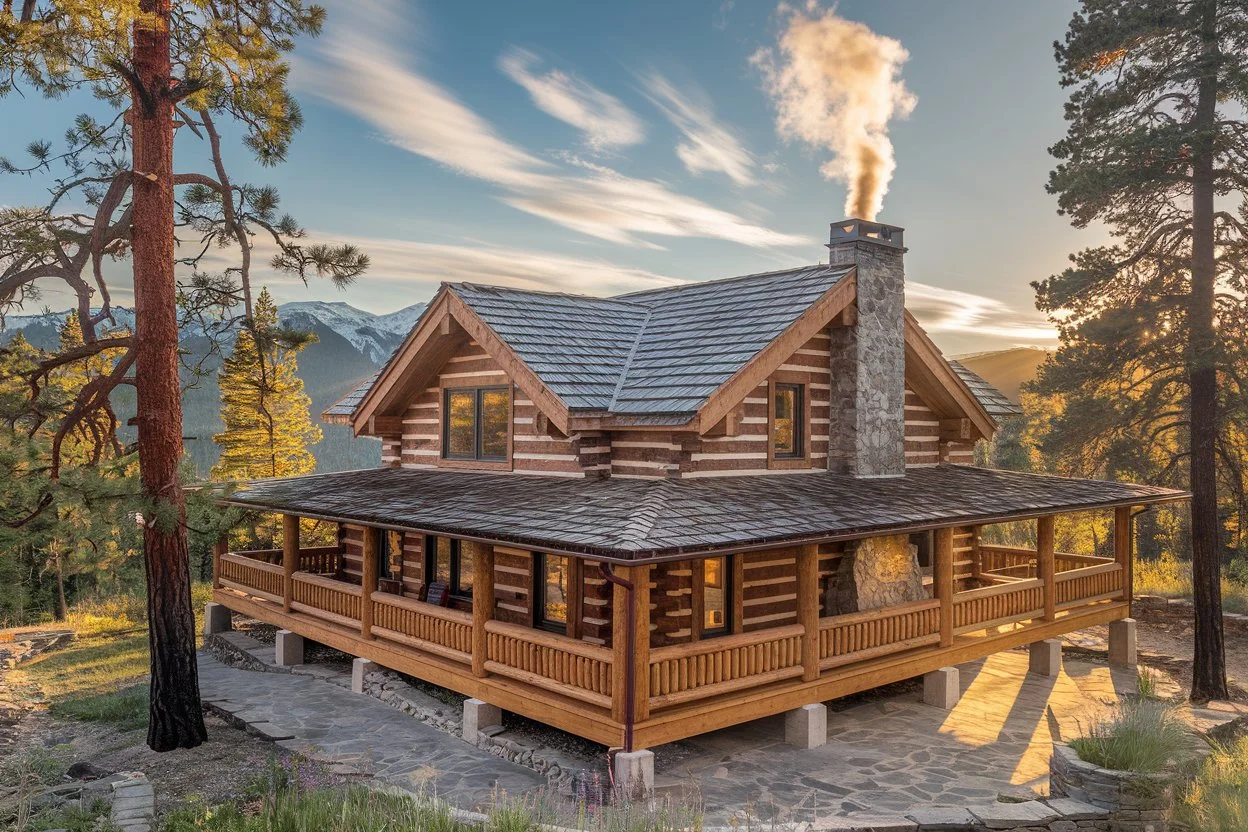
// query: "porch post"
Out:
[641,644]
[482,600]
[808,609]
[942,583]
[1123,549]
[619,645]
[368,581]
[218,551]
[1046,569]
[290,557]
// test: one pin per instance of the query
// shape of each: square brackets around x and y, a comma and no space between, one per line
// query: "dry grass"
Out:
[1217,798]
[1170,577]
[1144,735]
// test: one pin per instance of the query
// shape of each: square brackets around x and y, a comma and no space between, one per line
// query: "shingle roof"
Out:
[630,519]
[654,356]
[993,400]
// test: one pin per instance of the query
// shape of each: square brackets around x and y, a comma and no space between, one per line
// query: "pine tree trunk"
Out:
[62,608]
[1209,662]
[176,718]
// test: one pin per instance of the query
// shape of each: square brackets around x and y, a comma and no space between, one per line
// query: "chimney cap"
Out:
[868,231]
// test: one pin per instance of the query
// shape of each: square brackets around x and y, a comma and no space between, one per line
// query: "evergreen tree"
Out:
[268,426]
[1153,327]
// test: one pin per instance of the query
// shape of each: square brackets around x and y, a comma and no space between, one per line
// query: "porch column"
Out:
[290,557]
[482,599]
[808,609]
[218,551]
[1046,569]
[942,583]
[639,576]
[1123,549]
[368,581]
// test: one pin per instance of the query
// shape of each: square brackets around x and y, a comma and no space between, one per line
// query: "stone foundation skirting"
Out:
[1136,802]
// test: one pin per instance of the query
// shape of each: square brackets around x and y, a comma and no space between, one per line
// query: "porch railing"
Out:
[582,671]
[250,575]
[977,609]
[444,632]
[684,672]
[865,635]
[326,598]
[1089,584]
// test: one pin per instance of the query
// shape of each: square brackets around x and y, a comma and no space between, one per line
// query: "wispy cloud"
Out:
[951,311]
[707,145]
[359,70]
[604,119]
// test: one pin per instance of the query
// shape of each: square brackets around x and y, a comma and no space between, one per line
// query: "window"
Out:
[385,572]
[476,423]
[924,543]
[716,597]
[787,422]
[444,564]
[553,579]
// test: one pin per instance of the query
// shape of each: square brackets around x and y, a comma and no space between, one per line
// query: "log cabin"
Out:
[649,516]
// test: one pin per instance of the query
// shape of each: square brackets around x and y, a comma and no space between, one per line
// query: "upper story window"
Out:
[444,563]
[788,423]
[475,424]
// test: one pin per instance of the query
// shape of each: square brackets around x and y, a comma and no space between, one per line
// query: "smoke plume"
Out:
[835,85]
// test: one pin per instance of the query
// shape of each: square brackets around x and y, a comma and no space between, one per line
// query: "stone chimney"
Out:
[867,436]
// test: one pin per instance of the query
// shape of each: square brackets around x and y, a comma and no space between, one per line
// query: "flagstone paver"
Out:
[360,734]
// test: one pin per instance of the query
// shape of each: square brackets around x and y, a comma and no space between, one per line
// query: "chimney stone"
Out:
[867,436]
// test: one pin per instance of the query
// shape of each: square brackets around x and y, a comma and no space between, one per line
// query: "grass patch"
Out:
[1170,577]
[1217,798]
[1143,735]
[125,710]
[98,677]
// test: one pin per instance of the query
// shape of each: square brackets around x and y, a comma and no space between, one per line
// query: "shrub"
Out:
[1217,798]
[1143,735]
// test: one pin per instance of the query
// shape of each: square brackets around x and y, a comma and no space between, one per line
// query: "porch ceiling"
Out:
[639,520]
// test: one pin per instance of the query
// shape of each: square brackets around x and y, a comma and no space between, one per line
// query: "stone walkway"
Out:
[352,732]
[886,756]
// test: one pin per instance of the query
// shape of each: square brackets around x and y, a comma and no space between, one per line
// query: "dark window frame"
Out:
[454,578]
[539,595]
[478,394]
[726,570]
[382,548]
[799,422]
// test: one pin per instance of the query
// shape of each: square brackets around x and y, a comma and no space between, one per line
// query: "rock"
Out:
[83,770]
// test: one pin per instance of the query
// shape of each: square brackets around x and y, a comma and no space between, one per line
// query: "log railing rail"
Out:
[858,636]
[1089,585]
[578,669]
[252,576]
[685,672]
[978,609]
[443,632]
[332,600]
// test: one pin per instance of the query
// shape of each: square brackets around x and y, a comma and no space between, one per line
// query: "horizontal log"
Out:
[250,590]
[725,643]
[704,691]
[325,615]
[970,595]
[833,621]
[421,644]
[550,641]
[876,652]
[421,608]
[598,699]
[1088,571]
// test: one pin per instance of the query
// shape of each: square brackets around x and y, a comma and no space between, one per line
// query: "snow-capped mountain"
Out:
[374,336]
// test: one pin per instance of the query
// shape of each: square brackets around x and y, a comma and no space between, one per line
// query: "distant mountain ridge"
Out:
[351,345]
[1006,370]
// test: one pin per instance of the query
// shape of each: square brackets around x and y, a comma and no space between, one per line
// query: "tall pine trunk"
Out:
[62,607]
[1209,663]
[176,719]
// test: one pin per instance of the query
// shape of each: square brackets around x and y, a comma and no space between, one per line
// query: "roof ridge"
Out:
[692,284]
[571,295]
[628,362]
[645,514]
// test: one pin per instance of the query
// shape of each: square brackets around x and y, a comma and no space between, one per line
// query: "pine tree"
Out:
[1153,327]
[268,426]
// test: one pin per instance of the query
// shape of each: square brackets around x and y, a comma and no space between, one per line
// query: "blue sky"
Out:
[600,147]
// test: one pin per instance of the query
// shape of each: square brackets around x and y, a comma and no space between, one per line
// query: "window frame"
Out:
[454,579]
[801,426]
[381,546]
[477,457]
[572,596]
[728,578]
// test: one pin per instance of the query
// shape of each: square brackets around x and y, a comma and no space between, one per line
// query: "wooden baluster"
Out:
[482,599]
[1046,566]
[290,557]
[942,583]
[808,609]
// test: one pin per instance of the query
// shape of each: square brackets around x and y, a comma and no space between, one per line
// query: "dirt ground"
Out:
[1165,643]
